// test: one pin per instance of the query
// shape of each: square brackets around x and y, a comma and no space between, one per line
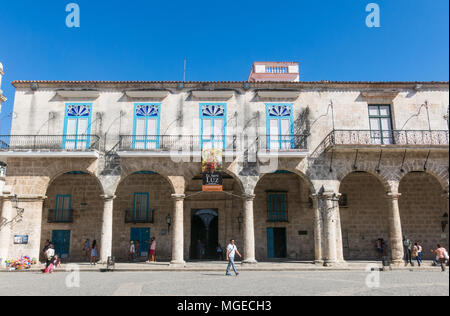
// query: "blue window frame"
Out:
[213,117]
[277,207]
[280,126]
[146,125]
[77,126]
[140,206]
[63,209]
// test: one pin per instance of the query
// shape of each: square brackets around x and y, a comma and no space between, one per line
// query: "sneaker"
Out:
[228,274]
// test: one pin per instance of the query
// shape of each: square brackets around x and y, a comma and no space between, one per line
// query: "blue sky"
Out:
[148,40]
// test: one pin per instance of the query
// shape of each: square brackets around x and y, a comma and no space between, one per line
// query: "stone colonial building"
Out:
[312,171]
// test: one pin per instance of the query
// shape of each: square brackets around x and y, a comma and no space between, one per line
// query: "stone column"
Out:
[339,242]
[33,209]
[178,231]
[107,229]
[5,230]
[445,196]
[318,230]
[249,230]
[328,209]
[395,228]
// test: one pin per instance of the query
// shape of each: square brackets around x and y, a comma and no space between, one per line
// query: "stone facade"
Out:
[391,189]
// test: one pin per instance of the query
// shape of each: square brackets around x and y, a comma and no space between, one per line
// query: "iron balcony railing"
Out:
[197,143]
[410,138]
[143,217]
[49,142]
[282,142]
[60,216]
[174,143]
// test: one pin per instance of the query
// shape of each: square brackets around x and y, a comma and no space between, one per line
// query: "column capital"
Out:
[28,197]
[248,197]
[328,195]
[107,197]
[445,194]
[393,195]
[178,197]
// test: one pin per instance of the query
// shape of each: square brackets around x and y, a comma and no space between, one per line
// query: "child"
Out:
[57,262]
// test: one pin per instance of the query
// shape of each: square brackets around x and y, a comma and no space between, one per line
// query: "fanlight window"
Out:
[147,110]
[279,111]
[78,110]
[213,110]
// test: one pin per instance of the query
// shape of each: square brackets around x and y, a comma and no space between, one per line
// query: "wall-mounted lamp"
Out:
[168,222]
[240,220]
[444,222]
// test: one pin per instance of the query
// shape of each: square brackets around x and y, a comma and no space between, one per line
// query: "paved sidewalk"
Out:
[221,266]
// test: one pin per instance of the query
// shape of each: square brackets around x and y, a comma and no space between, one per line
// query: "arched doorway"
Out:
[143,202]
[72,213]
[364,212]
[423,210]
[205,233]
[212,217]
[284,217]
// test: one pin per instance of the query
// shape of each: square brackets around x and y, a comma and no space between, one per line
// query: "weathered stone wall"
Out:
[300,216]
[422,207]
[159,191]
[366,217]
[87,221]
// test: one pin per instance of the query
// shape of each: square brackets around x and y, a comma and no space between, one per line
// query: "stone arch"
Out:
[142,202]
[134,171]
[364,214]
[73,205]
[438,171]
[59,173]
[283,208]
[297,172]
[422,209]
[384,177]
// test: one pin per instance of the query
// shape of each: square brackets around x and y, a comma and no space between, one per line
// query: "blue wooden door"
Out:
[143,236]
[270,243]
[61,241]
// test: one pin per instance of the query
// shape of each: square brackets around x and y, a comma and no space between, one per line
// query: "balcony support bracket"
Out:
[403,162]
[355,166]
[331,161]
[426,161]
[378,170]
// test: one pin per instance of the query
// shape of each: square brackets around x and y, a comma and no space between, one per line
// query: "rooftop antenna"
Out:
[184,72]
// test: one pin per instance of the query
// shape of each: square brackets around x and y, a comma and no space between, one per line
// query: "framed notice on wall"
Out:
[21,239]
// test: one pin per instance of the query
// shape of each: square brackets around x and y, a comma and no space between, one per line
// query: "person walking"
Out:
[94,253]
[219,252]
[231,252]
[87,249]
[131,251]
[152,249]
[417,253]
[407,247]
[49,255]
[441,254]
[380,248]
[138,249]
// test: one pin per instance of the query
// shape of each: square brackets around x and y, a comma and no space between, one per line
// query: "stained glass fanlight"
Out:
[279,111]
[147,110]
[213,110]
[78,110]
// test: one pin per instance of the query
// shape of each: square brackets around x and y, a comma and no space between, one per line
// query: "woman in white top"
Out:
[49,255]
